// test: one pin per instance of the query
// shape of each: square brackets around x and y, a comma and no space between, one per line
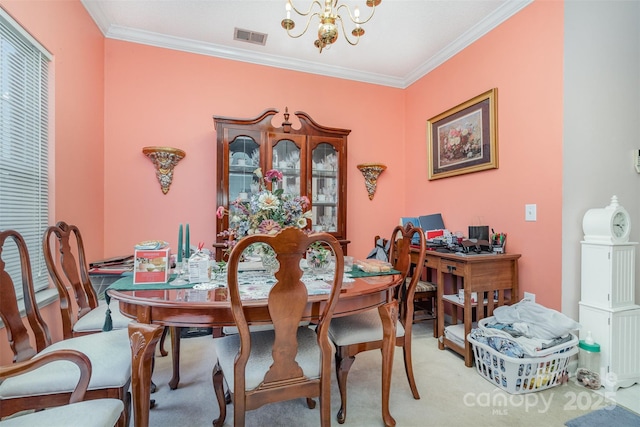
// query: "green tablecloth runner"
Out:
[126,284]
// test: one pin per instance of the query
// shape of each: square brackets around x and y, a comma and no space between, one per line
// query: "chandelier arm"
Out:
[346,34]
[373,11]
[314,3]
[293,36]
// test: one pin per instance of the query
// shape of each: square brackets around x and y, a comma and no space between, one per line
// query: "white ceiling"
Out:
[404,41]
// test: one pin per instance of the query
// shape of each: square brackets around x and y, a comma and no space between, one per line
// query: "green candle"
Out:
[187,246]
[180,243]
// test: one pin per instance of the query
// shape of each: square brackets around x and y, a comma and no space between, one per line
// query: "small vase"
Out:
[270,263]
[318,262]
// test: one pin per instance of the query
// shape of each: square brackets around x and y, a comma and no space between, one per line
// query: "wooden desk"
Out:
[493,277]
[168,308]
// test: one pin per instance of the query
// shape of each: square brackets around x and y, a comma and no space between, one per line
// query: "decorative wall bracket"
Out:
[371,172]
[164,159]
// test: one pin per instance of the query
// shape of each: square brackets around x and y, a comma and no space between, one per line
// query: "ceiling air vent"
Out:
[250,36]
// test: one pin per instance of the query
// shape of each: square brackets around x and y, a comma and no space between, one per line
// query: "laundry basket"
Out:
[523,375]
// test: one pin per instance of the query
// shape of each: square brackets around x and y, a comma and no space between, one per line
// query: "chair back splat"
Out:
[400,256]
[288,360]
[10,312]
[69,273]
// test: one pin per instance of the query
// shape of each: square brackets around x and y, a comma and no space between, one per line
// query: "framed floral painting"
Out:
[464,139]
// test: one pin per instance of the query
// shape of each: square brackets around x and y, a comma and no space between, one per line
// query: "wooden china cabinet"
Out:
[312,160]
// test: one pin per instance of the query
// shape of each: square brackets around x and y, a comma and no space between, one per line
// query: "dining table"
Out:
[207,305]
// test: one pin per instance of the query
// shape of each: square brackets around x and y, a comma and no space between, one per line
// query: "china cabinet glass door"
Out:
[324,187]
[244,158]
[286,153]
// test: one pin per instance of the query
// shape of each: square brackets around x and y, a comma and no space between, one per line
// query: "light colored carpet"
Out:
[451,394]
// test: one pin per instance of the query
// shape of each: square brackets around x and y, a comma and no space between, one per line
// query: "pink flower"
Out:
[273,175]
[220,212]
[269,226]
[304,202]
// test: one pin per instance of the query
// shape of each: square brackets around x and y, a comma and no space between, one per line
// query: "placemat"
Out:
[357,273]
[126,284]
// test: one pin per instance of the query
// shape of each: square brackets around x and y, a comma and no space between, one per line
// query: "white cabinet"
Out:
[608,274]
[607,309]
[617,331]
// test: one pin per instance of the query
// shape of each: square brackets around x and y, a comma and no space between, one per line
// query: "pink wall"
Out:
[523,59]
[163,97]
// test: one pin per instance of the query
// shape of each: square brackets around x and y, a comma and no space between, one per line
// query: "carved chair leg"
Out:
[408,368]
[163,351]
[311,403]
[153,387]
[388,315]
[218,386]
[342,370]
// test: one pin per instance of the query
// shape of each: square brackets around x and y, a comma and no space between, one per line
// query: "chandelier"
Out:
[327,17]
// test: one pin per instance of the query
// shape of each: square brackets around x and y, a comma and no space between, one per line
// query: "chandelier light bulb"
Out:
[327,29]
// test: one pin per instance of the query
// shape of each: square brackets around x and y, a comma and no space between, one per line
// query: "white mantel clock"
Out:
[610,224]
[607,301]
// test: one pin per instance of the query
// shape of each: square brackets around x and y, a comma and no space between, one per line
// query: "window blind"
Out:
[24,180]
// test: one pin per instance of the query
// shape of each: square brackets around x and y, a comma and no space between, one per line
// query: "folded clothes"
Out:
[519,347]
[535,320]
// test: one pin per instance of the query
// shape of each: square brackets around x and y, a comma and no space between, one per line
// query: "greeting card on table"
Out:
[151,265]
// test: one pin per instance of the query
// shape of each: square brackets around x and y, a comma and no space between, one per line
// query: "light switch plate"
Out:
[530,212]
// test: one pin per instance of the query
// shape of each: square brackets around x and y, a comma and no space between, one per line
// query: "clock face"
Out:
[620,225]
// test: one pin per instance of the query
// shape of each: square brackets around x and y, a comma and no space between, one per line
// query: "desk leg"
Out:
[388,315]
[143,339]
[175,354]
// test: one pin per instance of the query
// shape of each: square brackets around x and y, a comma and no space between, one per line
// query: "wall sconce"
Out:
[164,159]
[371,172]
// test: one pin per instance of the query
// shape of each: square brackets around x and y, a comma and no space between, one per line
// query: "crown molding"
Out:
[504,12]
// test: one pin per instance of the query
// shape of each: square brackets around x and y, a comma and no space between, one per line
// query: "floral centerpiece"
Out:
[266,211]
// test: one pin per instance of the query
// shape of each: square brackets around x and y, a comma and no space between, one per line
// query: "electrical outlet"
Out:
[531,297]
[530,212]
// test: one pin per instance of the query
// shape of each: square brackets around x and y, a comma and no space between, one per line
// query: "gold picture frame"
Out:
[464,139]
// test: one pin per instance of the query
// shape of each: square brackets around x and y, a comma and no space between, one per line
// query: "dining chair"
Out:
[52,385]
[425,298]
[70,275]
[286,361]
[78,412]
[360,332]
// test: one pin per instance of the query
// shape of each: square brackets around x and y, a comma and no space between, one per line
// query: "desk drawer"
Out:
[453,267]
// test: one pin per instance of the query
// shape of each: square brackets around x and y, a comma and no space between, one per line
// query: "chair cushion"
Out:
[94,320]
[228,330]
[423,286]
[260,358]
[357,328]
[89,413]
[110,356]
